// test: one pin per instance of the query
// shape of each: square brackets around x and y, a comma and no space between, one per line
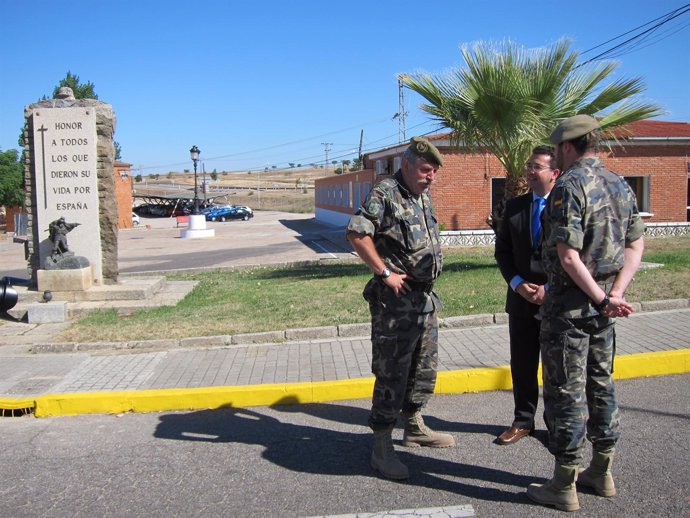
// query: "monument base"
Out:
[41,313]
[197,228]
[78,279]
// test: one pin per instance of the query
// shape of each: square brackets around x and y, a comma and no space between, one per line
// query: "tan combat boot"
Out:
[383,457]
[559,491]
[598,475]
[418,434]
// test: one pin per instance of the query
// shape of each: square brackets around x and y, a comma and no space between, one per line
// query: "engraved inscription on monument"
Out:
[66,182]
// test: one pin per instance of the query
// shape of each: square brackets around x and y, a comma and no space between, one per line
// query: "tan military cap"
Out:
[573,127]
[426,150]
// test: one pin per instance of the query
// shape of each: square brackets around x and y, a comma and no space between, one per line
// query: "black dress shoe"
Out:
[513,435]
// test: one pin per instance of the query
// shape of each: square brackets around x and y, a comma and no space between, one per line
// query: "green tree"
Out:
[11,190]
[508,99]
[214,175]
[137,178]
[80,90]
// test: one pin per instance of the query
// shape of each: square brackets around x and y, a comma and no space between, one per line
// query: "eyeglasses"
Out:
[536,167]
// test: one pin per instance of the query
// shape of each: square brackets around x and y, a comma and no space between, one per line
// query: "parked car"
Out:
[226,213]
[213,207]
[135,219]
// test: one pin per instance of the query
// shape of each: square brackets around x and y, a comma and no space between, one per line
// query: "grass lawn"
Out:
[273,298]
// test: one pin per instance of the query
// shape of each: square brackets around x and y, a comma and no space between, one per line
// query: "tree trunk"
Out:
[515,186]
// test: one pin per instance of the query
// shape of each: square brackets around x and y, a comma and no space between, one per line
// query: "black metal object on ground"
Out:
[8,295]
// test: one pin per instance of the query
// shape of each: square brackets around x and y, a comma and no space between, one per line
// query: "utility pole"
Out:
[203,175]
[401,110]
[326,149]
[359,153]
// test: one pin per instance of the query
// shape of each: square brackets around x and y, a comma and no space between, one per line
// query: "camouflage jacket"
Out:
[403,227]
[595,212]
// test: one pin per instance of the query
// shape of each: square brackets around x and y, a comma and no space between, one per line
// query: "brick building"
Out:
[653,156]
[123,193]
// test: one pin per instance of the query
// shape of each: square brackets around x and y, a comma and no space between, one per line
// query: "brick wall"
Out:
[463,190]
[667,167]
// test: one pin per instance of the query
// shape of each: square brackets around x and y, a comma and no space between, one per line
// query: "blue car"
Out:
[226,213]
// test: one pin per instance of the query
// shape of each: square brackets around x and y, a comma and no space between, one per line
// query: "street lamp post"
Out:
[196,226]
[194,153]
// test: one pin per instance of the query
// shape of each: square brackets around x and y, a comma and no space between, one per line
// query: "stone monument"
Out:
[70,186]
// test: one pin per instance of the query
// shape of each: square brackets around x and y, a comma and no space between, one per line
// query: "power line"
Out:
[633,30]
[267,148]
[644,34]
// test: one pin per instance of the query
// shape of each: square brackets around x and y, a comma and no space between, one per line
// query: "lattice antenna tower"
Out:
[402,114]
[326,149]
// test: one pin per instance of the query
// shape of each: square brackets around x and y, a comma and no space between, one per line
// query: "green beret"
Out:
[573,127]
[426,150]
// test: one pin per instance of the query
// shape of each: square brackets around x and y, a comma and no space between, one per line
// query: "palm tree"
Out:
[508,99]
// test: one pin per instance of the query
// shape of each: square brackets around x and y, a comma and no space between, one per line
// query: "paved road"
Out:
[268,238]
[312,460]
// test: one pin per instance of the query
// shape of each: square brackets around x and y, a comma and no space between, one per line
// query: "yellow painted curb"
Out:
[160,400]
[651,364]
[16,403]
[449,382]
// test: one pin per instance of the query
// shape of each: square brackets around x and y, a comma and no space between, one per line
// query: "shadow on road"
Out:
[310,449]
[320,237]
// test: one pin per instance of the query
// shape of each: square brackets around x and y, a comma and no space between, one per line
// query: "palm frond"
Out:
[508,98]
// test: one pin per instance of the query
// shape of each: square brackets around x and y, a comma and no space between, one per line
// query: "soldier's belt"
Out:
[606,279]
[426,287]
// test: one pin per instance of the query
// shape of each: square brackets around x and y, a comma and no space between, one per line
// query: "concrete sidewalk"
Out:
[471,359]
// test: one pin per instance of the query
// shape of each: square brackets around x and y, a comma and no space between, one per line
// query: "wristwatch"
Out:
[386,273]
[603,303]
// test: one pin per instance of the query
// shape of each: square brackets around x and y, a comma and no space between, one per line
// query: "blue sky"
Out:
[262,84]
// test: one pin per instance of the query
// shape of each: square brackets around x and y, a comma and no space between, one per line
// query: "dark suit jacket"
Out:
[514,251]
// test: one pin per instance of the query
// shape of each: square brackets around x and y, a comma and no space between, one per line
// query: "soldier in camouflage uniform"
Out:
[592,248]
[396,235]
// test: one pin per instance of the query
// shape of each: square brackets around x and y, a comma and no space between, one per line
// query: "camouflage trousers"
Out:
[579,394]
[404,336]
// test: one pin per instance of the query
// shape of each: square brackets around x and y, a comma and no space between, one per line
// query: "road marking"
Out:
[456,511]
[316,243]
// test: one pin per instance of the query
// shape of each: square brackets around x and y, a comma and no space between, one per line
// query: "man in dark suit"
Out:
[518,256]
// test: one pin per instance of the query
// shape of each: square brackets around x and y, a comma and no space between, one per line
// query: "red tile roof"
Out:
[644,128]
[656,128]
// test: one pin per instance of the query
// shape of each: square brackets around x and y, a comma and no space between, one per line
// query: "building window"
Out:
[381,167]
[640,186]
[397,163]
